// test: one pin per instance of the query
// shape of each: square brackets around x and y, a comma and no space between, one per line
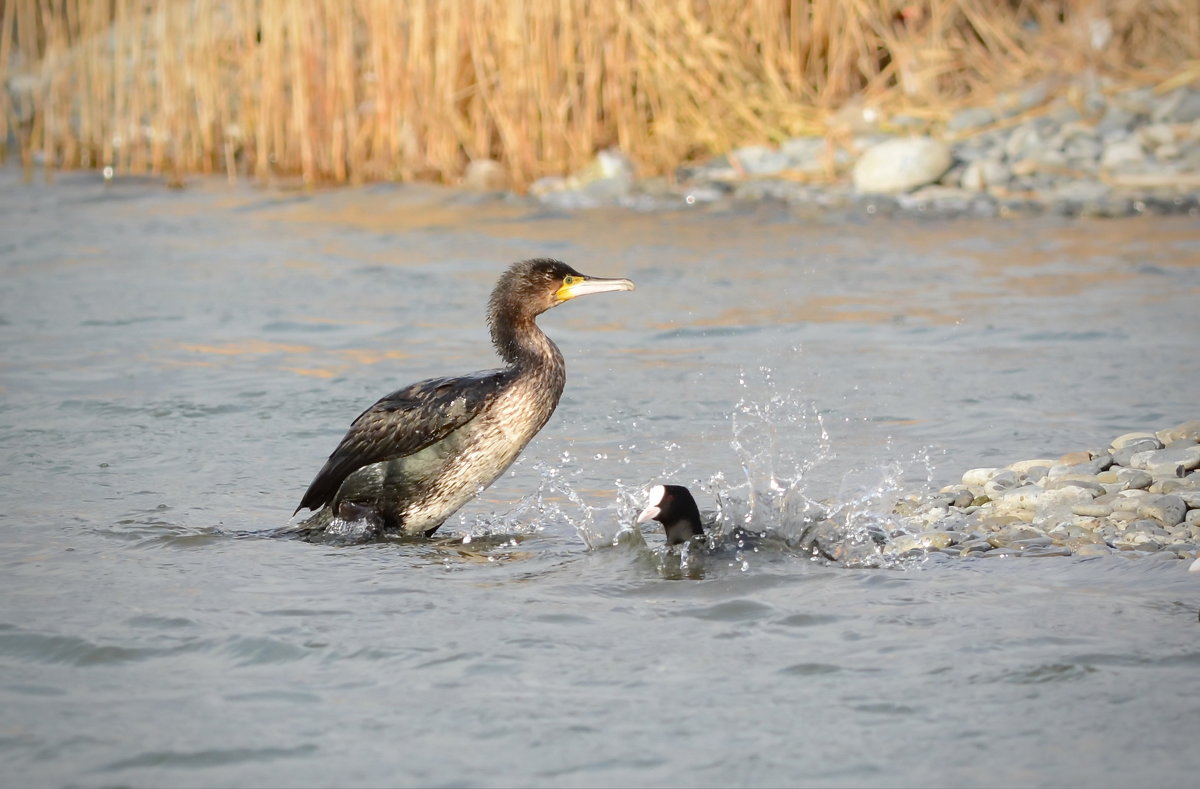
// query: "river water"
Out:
[176,365]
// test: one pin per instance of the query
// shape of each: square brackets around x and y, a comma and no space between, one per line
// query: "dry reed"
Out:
[354,90]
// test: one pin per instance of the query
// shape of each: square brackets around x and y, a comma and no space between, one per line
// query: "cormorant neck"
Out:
[522,343]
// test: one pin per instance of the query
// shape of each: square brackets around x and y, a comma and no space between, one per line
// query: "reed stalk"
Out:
[346,91]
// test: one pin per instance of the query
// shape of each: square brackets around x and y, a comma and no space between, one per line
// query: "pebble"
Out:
[1091,509]
[1081,481]
[1071,464]
[485,175]
[1050,550]
[1123,455]
[977,477]
[1189,431]
[1172,462]
[1166,508]
[757,160]
[970,118]
[1000,483]
[1124,479]
[1169,485]
[1129,439]
[983,174]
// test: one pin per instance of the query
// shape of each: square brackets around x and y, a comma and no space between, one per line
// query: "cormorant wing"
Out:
[401,423]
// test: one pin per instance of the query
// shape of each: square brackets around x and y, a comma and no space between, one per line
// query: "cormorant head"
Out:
[673,507]
[531,287]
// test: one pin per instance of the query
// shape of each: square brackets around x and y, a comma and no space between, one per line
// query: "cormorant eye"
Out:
[571,280]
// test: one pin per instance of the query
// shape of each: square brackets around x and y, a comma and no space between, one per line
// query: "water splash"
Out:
[767,510]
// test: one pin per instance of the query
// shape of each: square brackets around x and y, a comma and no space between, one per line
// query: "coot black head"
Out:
[673,507]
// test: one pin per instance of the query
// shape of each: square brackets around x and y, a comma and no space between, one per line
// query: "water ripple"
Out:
[212,757]
[1047,672]
[731,611]
[77,651]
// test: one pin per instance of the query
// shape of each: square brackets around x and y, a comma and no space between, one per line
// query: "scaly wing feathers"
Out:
[404,422]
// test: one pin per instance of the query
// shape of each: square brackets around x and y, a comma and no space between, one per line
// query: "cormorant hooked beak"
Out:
[581,285]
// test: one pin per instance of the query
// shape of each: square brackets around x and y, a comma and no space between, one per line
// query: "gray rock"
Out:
[1013,534]
[1172,485]
[1081,192]
[1139,101]
[1167,152]
[1063,111]
[1016,102]
[1056,506]
[1172,462]
[1025,467]
[1001,553]
[1083,481]
[1154,135]
[970,118]
[938,199]
[485,175]
[759,160]
[1119,478]
[1192,518]
[1049,550]
[1123,154]
[976,477]
[1092,549]
[1023,141]
[1031,542]
[1180,106]
[1129,500]
[812,154]
[1187,430]
[1119,518]
[1167,509]
[1115,119]
[1092,509]
[1131,439]
[1001,482]
[901,165]
[1083,150]
[1087,468]
[1122,456]
[982,174]
[607,179]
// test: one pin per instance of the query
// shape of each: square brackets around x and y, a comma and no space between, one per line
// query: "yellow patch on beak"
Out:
[583,286]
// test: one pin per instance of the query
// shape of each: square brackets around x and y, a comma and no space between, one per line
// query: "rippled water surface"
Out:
[176,365]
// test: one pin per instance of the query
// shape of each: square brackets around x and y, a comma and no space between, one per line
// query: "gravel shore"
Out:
[1078,149]
[1141,493]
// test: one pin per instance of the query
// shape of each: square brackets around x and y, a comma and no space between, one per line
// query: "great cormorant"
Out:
[414,458]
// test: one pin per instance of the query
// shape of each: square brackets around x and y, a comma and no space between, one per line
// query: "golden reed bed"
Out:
[355,90]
